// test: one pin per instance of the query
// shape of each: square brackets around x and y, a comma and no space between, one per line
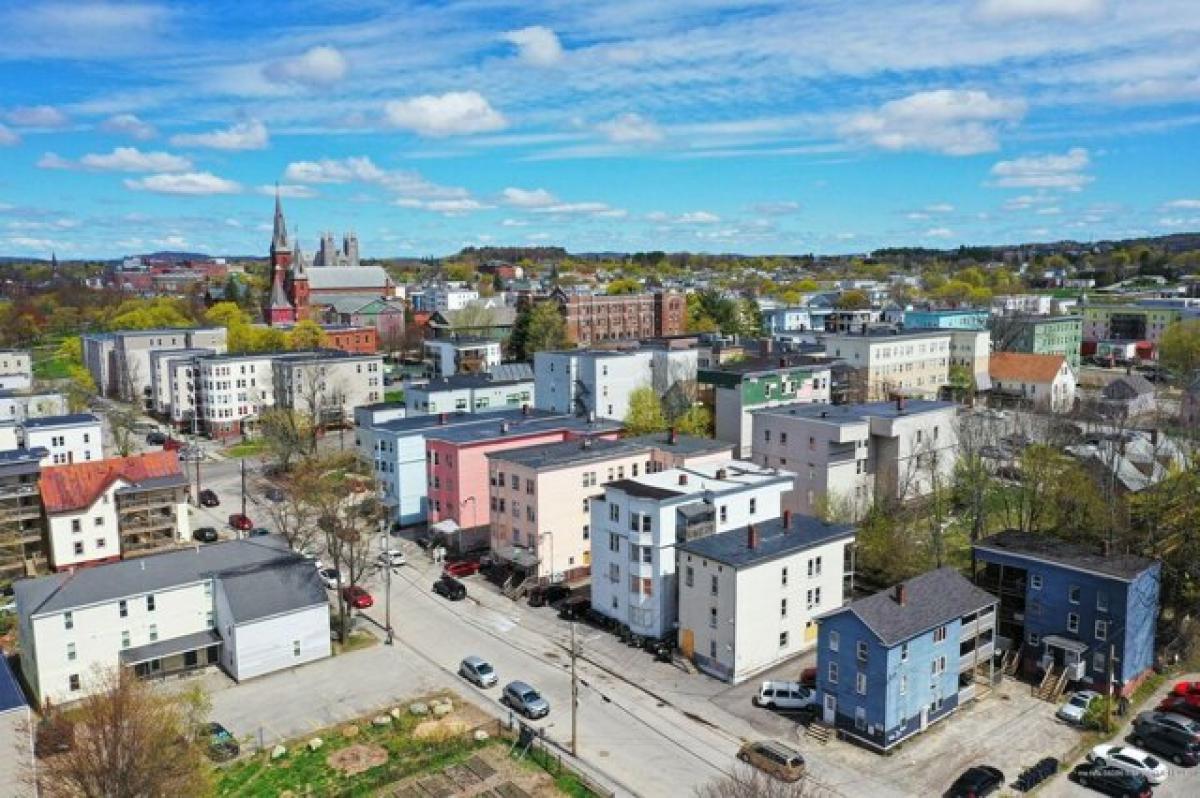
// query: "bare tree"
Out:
[747,782]
[129,741]
[121,425]
[286,435]
[292,516]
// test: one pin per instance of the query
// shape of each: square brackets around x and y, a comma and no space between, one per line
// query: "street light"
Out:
[387,604]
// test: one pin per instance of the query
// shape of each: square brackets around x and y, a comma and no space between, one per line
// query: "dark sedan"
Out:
[205,534]
[208,498]
[1111,781]
[976,782]
[1182,749]
[450,588]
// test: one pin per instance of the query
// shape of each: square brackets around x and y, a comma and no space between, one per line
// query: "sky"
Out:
[759,126]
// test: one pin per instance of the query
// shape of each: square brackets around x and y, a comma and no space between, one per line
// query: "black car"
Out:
[451,588]
[1178,747]
[574,608]
[976,782]
[205,534]
[156,438]
[548,594]
[208,498]
[221,744]
[1111,781]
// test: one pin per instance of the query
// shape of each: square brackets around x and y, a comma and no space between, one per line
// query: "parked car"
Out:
[391,557]
[1111,781]
[1150,721]
[1179,705]
[450,588]
[522,698]
[977,782]
[274,494]
[776,759]
[1077,706]
[191,453]
[1178,747]
[574,608]
[156,438]
[1130,759]
[357,597]
[208,498]
[784,695]
[240,521]
[1186,688]
[221,744]
[478,671]
[259,531]
[548,594]
[461,568]
[172,445]
[205,534]
[329,577]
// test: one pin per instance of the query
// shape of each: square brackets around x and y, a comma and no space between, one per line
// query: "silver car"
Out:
[522,698]
[478,671]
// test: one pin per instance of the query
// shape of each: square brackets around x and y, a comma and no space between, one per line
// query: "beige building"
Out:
[972,350]
[915,363]
[672,450]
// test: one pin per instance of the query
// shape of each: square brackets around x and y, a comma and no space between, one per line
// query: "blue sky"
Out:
[758,126]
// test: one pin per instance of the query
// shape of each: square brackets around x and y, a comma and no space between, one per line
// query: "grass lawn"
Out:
[246,449]
[393,396]
[48,366]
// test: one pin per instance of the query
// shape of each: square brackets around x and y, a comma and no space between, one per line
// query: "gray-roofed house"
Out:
[1189,403]
[16,757]
[748,597]
[890,664]
[1128,396]
[250,606]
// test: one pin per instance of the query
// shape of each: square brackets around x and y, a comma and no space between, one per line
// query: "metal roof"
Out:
[683,444]
[732,546]
[853,414]
[557,455]
[165,648]
[507,428]
[641,490]
[1046,549]
[61,421]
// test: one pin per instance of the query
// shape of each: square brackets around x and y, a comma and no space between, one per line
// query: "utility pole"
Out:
[197,481]
[243,486]
[574,694]
[387,604]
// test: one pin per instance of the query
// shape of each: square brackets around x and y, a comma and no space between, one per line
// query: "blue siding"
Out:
[946,319]
[1141,614]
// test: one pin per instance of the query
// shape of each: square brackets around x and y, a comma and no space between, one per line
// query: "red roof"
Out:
[72,487]
[1023,367]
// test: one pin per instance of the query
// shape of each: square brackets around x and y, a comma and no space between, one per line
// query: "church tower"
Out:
[280,309]
[298,284]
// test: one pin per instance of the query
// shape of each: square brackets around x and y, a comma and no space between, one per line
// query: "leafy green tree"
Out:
[1179,347]
[226,314]
[645,413]
[538,328]
[459,272]
[624,285]
[852,300]
[696,420]
[306,335]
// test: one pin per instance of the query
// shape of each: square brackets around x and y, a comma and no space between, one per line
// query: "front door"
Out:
[1057,654]
[687,642]
[830,713]
[924,717]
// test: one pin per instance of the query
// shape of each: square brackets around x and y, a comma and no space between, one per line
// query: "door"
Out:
[687,642]
[924,717]
[830,713]
[810,632]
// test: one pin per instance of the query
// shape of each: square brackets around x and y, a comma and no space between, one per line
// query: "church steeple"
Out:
[279,239]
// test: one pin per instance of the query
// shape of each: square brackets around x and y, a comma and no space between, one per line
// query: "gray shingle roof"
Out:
[274,588]
[730,547]
[931,599]
[684,444]
[343,277]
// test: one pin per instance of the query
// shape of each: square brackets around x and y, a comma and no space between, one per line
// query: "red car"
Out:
[1188,706]
[357,597]
[1186,689]
[461,568]
[242,522]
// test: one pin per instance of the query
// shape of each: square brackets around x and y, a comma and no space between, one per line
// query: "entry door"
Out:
[687,642]
[924,717]
[830,709]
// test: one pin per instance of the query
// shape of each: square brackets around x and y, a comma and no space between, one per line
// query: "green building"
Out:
[1039,335]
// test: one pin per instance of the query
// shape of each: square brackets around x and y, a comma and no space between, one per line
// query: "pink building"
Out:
[456,460]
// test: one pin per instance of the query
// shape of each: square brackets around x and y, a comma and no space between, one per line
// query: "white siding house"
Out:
[67,439]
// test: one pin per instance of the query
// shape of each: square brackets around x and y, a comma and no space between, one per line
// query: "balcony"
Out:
[973,627]
[978,656]
[842,453]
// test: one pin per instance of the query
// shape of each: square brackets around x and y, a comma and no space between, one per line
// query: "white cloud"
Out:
[698,217]
[1175,222]
[329,170]
[947,121]
[939,232]
[599,209]
[536,45]
[288,191]
[1064,171]
[939,207]
[514,223]
[1184,204]
[454,113]
[528,198]
[250,135]
[129,125]
[1050,210]
[82,29]
[777,208]
[52,160]
[131,159]
[188,183]
[7,137]
[43,116]
[1017,10]
[455,206]
[631,129]
[318,66]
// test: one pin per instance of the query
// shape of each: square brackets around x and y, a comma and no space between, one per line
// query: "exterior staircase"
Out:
[518,590]
[818,732]
[1012,661]
[1052,685]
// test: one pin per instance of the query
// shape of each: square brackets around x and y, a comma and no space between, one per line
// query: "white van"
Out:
[785,695]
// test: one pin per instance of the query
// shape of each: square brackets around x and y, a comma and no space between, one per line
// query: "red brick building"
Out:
[594,318]
[354,340]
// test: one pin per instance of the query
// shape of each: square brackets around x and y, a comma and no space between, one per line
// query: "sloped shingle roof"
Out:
[1024,367]
[72,487]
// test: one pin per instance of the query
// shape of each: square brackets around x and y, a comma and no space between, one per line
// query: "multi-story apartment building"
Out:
[972,350]
[600,382]
[1067,608]
[458,458]
[119,362]
[946,319]
[445,297]
[592,318]
[172,387]
[1043,381]
[22,529]
[105,510]
[887,362]
[67,439]
[250,607]
[540,498]
[846,456]
[1039,335]
[1145,320]
[230,392]
[793,319]
[671,450]
[469,393]
[20,406]
[748,597]
[638,522]
[735,390]
[891,664]
[16,370]
[327,385]
[461,355]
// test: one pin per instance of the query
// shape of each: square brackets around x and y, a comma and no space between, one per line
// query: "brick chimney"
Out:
[671,436]
[441,418]
[683,479]
[901,595]
[900,402]
[787,520]
[751,537]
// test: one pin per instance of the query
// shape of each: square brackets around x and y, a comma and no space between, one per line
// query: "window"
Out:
[903,684]
[68,620]
[100,542]
[783,576]
[98,521]
[724,513]
[1101,630]
[210,620]
[783,639]
[295,648]
[767,435]
[1035,581]
[861,651]
[78,547]
[125,641]
[904,652]
[937,666]
[689,576]
[1099,661]
[614,512]
[516,482]
[1034,639]
[614,543]
[1073,594]
[153,632]
[814,567]
[860,683]
[1072,622]
[150,603]
[783,608]
[753,506]
[70,652]
[939,634]
[834,640]
[123,608]
[715,585]
[73,682]
[1101,601]
[833,673]
[712,617]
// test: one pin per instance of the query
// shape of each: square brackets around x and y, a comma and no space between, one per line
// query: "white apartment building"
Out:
[915,363]
[844,456]
[468,393]
[461,355]
[447,297]
[16,370]
[638,522]
[748,596]
[231,391]
[120,361]
[1021,304]
[972,350]
[586,381]
[171,386]
[19,407]
[250,606]
[67,439]
[328,384]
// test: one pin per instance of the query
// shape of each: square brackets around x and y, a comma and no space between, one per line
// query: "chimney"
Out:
[1154,437]
[787,520]
[900,594]
[751,537]
[671,436]
[441,418]
[900,402]
[683,479]
[525,410]
[721,473]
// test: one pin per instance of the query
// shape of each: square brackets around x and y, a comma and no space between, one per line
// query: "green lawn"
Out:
[393,396]
[47,365]
[246,449]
